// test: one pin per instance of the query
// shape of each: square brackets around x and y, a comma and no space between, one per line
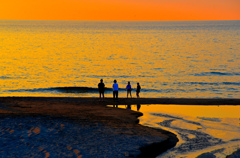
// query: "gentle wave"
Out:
[207,83]
[60,90]
[64,90]
[213,73]
[82,90]
[183,88]
[5,77]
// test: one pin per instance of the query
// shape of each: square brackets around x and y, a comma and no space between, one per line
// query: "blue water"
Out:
[182,59]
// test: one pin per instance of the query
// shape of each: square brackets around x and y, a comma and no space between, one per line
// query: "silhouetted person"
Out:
[138,89]
[115,90]
[101,88]
[129,107]
[129,89]
[138,107]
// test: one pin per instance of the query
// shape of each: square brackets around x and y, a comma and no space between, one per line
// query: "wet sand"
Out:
[92,113]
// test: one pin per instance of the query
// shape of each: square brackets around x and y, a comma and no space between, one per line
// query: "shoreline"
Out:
[127,101]
[93,110]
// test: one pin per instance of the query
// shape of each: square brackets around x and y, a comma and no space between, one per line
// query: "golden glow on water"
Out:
[161,56]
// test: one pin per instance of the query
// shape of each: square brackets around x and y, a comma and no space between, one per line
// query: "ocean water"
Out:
[194,59]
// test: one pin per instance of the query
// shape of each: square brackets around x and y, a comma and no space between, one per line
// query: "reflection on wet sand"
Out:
[129,107]
[203,130]
[138,107]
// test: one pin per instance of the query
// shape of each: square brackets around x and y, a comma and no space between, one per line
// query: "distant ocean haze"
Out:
[168,59]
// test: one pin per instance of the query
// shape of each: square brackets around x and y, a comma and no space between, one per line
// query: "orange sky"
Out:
[120,10]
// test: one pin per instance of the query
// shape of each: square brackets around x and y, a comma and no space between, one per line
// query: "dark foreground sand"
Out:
[84,127]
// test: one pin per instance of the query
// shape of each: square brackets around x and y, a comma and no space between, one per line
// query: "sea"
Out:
[170,59]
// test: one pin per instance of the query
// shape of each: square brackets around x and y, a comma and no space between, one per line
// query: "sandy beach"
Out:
[84,127]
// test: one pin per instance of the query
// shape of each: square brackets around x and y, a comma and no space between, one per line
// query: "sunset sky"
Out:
[120,10]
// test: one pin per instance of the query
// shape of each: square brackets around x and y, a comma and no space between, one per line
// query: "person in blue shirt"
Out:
[129,89]
[115,90]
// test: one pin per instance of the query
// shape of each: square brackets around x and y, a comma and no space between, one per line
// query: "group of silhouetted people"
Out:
[101,89]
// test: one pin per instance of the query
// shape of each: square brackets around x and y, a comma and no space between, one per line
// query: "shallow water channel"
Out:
[203,131]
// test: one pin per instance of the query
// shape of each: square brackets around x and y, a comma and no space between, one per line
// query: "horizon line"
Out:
[113,20]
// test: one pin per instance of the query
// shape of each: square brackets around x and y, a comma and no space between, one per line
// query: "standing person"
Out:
[138,107]
[138,89]
[101,89]
[115,90]
[129,89]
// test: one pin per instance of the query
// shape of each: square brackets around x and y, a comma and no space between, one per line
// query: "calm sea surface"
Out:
[169,59]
